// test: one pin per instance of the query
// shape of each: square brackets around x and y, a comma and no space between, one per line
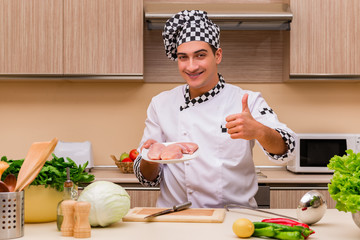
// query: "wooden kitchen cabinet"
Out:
[324,38]
[143,198]
[31,37]
[289,198]
[71,37]
[103,37]
[147,197]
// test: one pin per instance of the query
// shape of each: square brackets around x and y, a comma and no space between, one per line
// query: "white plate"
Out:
[186,157]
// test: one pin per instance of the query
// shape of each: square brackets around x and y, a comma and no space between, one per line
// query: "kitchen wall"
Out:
[112,115]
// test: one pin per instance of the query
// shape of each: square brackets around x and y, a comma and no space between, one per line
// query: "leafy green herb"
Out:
[345,183]
[53,173]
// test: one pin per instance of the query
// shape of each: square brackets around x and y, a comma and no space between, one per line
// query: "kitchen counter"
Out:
[113,174]
[284,176]
[265,175]
[334,225]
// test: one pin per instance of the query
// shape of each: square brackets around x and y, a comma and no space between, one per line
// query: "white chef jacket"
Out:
[224,171]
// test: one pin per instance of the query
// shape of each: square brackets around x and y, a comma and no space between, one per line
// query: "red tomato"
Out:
[127,160]
[133,154]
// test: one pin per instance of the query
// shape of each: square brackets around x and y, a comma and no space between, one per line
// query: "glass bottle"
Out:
[70,193]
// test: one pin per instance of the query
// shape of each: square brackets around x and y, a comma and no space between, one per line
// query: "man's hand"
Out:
[243,125]
[149,170]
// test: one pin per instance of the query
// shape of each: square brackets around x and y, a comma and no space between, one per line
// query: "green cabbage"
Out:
[345,183]
[109,202]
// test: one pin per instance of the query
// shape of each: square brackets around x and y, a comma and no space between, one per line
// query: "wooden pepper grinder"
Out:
[67,226]
[82,227]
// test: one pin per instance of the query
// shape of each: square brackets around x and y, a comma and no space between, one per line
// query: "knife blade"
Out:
[175,208]
[229,206]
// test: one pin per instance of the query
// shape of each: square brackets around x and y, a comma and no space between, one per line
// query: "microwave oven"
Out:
[314,151]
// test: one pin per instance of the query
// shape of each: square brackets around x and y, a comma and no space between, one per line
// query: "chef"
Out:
[224,120]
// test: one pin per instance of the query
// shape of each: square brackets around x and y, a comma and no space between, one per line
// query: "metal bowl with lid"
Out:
[356,218]
[312,207]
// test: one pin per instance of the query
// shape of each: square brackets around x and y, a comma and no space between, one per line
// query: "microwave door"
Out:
[318,152]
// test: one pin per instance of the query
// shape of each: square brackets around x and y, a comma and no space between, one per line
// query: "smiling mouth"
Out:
[194,75]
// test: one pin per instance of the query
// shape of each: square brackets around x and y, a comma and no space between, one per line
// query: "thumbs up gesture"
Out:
[244,101]
[243,125]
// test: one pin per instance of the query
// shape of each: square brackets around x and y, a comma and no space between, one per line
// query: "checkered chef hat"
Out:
[187,26]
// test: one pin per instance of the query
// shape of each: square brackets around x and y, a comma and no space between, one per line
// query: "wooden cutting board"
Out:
[199,215]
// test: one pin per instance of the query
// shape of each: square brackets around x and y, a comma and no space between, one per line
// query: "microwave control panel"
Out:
[357,144]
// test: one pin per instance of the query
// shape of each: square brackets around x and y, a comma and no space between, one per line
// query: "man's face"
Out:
[198,66]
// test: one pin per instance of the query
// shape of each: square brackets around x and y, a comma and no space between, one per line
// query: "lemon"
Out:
[243,227]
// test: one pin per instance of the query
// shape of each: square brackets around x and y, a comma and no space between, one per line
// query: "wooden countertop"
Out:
[285,176]
[334,225]
[265,175]
[113,174]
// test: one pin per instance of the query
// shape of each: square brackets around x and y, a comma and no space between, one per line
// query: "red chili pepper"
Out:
[285,221]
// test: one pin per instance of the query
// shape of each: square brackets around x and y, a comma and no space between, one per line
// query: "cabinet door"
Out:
[290,198]
[103,37]
[143,198]
[324,37]
[31,36]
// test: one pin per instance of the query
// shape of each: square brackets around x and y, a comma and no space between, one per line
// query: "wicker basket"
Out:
[125,167]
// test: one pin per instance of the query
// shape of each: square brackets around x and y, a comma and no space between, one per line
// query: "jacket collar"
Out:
[203,97]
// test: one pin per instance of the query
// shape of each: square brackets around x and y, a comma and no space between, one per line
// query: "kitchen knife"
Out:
[175,208]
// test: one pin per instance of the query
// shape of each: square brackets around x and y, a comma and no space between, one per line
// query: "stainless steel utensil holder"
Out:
[11,215]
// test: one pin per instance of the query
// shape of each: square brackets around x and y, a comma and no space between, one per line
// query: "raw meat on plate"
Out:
[159,151]
[190,147]
[155,151]
[172,151]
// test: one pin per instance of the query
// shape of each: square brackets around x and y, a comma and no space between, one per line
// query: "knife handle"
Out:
[181,206]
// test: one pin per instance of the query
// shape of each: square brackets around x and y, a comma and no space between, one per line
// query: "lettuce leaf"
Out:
[53,173]
[345,183]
